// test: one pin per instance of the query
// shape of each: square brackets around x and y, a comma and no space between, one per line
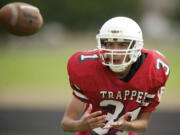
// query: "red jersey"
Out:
[94,83]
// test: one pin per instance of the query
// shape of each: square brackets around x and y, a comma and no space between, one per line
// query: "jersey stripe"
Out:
[149,98]
[80,95]
[150,95]
[77,88]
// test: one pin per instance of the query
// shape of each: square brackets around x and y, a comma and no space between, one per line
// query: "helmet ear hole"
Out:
[103,41]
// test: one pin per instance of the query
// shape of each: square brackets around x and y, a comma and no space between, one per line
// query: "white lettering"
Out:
[127,93]
[145,95]
[133,94]
[83,57]
[160,93]
[103,93]
[110,95]
[119,95]
[139,98]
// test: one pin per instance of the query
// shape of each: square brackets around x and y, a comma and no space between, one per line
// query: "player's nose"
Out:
[115,46]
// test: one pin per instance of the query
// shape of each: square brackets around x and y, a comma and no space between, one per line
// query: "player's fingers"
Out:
[103,119]
[95,114]
[107,127]
[113,125]
[99,119]
[126,116]
[89,109]
[99,125]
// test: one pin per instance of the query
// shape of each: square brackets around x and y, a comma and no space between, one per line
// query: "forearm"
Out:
[70,122]
[70,125]
[136,126]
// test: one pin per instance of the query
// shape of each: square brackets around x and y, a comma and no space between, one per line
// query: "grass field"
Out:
[33,67]
[36,71]
[37,67]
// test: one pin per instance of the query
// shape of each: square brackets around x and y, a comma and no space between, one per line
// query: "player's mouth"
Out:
[117,61]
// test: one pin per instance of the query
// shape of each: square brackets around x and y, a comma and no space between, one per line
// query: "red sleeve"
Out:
[152,99]
[75,78]
[160,73]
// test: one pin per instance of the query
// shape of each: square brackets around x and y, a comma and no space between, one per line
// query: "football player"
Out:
[117,86]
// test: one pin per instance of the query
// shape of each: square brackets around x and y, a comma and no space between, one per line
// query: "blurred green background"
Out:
[33,68]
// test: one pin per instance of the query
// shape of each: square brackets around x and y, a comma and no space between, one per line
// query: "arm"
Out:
[88,121]
[73,111]
[139,125]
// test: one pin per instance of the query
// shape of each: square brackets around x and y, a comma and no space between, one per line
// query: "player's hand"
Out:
[121,123]
[93,120]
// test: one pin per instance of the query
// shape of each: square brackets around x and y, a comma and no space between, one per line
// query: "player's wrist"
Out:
[135,126]
[127,126]
[79,126]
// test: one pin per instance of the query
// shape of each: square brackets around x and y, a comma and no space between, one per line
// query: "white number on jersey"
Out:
[88,57]
[160,63]
[119,109]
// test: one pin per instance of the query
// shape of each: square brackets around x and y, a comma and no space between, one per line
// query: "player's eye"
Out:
[124,44]
[109,45]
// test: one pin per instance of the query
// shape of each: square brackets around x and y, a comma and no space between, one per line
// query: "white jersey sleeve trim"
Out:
[80,95]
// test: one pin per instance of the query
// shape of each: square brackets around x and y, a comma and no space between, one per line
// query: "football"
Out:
[20,18]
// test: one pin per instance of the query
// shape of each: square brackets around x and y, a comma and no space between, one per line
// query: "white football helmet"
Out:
[120,29]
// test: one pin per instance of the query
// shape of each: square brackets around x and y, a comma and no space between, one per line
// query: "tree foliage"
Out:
[83,14]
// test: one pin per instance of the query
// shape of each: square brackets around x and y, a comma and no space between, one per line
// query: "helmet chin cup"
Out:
[118,68]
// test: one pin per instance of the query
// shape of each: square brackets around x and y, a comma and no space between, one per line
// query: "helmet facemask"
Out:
[128,55]
[120,29]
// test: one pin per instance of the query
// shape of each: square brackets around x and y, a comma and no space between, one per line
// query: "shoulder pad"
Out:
[160,68]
